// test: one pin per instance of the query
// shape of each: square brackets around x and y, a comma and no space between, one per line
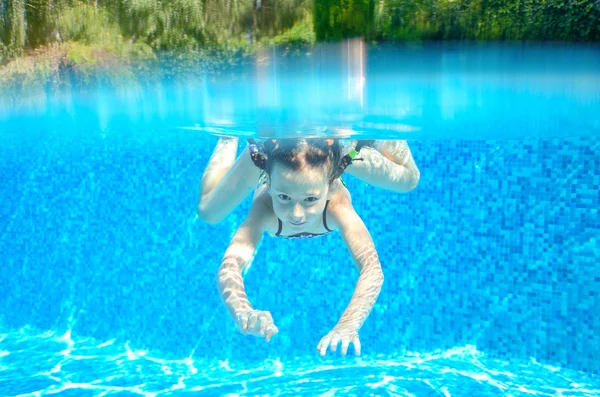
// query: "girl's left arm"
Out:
[361,247]
[388,165]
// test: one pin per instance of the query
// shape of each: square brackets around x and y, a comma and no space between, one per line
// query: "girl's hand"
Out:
[343,333]
[257,323]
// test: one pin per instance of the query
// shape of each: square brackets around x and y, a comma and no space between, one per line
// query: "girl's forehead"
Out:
[309,179]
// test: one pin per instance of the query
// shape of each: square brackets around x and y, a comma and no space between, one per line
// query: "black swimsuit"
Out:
[305,234]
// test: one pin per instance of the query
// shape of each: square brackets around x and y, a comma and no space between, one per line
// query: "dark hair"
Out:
[295,153]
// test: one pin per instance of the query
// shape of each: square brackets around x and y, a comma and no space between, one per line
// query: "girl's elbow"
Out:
[414,181]
[206,215]
[408,183]
[380,278]
[377,277]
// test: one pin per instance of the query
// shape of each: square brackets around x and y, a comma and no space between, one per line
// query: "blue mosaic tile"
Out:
[498,247]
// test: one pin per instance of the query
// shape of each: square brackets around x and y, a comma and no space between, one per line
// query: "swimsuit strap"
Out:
[325,216]
[279,228]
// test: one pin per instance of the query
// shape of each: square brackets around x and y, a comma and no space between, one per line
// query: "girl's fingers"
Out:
[334,342]
[244,321]
[252,321]
[269,334]
[271,330]
[356,343]
[322,348]
[263,325]
[257,323]
[345,343]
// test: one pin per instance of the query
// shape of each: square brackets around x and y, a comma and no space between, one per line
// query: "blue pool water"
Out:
[492,279]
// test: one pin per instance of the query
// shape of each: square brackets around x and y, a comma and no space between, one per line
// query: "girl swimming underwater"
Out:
[301,196]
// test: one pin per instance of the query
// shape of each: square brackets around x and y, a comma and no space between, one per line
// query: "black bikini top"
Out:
[305,234]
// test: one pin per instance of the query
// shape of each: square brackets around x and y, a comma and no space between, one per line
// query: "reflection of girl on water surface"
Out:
[301,195]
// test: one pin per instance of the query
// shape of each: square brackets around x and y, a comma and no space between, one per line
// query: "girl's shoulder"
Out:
[263,203]
[341,195]
[339,204]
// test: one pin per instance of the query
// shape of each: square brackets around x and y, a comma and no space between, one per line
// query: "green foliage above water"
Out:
[188,25]
[570,20]
[54,43]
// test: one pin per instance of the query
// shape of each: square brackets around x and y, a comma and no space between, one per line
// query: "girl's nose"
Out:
[297,212]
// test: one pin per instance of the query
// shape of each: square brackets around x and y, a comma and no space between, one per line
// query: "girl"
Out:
[300,196]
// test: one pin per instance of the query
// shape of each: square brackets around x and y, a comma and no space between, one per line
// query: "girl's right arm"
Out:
[229,277]
[222,191]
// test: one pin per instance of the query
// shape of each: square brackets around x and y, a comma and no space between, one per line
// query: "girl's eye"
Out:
[311,199]
[283,196]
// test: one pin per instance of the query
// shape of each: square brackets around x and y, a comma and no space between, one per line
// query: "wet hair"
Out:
[296,153]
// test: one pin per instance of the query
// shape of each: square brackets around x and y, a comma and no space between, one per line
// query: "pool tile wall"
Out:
[498,247]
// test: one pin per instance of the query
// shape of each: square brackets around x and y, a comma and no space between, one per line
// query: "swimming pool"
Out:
[492,280]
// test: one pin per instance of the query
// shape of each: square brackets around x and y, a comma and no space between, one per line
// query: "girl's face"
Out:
[299,197]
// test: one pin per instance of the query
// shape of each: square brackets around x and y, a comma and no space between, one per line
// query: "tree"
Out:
[12,26]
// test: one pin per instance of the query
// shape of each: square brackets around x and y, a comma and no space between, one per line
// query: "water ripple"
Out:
[49,364]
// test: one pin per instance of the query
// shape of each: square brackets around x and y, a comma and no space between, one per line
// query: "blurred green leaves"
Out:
[572,20]
[190,25]
[53,43]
